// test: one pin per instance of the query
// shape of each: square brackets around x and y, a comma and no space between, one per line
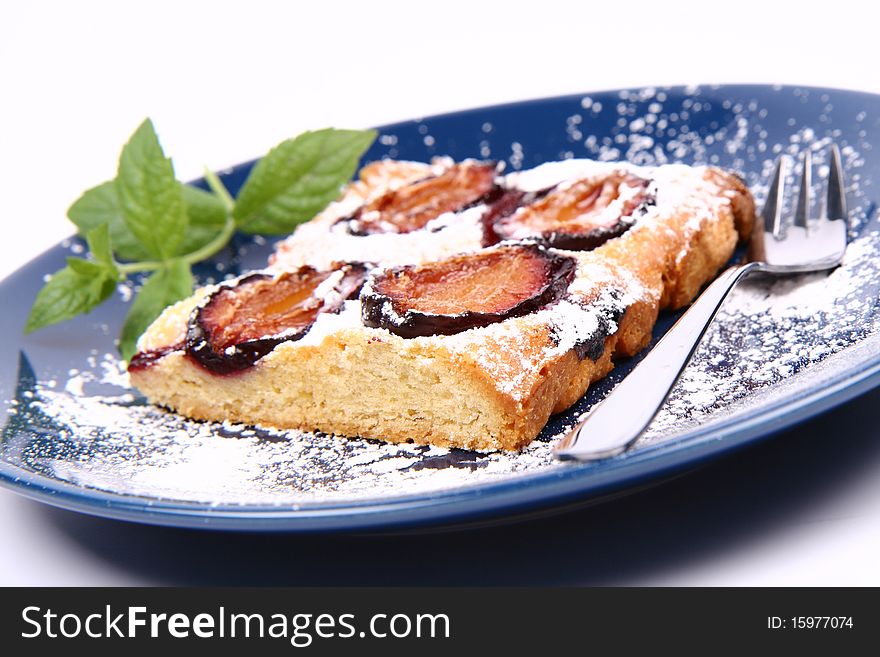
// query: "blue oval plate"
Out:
[76,436]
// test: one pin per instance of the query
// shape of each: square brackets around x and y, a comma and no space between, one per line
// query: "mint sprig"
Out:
[145,220]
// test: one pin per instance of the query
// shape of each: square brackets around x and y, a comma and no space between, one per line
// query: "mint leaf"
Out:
[150,198]
[87,268]
[207,216]
[298,178]
[100,205]
[165,286]
[71,291]
[98,240]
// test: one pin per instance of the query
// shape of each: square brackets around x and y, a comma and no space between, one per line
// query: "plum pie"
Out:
[447,303]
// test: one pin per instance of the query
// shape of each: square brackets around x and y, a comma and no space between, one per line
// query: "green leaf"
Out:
[100,205]
[98,240]
[207,216]
[165,286]
[71,291]
[150,198]
[298,178]
[87,268]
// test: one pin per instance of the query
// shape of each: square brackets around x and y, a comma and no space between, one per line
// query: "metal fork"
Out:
[806,246]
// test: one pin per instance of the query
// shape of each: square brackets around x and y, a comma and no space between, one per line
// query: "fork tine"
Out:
[802,213]
[835,204]
[772,212]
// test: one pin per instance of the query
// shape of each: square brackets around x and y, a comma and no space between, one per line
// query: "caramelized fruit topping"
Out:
[143,359]
[580,216]
[240,323]
[412,206]
[465,291]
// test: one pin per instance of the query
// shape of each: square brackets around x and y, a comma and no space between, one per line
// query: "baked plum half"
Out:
[579,216]
[412,206]
[242,321]
[465,291]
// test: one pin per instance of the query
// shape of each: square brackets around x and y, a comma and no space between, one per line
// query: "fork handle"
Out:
[618,420]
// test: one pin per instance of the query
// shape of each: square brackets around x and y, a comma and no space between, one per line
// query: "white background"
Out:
[224,81]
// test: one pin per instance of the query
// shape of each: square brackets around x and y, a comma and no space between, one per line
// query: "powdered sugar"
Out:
[320,248]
